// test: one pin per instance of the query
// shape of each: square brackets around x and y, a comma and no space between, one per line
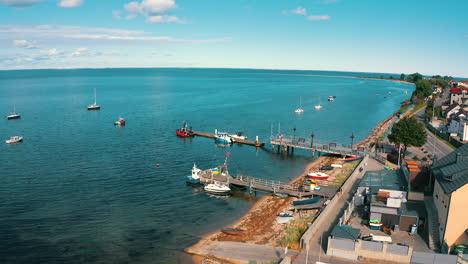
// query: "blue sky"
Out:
[430,37]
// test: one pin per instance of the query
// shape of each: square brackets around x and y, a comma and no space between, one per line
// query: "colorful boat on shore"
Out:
[318,175]
[282,214]
[282,195]
[233,231]
[308,201]
[349,159]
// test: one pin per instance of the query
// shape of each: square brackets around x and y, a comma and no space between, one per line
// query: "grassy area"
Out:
[417,107]
[347,169]
[294,232]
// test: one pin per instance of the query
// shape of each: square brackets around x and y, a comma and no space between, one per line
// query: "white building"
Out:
[459,125]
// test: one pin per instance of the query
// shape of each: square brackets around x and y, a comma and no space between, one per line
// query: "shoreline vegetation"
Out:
[260,220]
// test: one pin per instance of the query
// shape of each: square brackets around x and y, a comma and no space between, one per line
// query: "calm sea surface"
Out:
[81,190]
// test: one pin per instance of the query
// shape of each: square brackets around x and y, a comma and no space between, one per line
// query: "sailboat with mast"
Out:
[299,110]
[94,106]
[220,188]
[14,115]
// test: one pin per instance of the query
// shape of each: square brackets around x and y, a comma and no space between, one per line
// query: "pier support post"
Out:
[313,154]
[292,150]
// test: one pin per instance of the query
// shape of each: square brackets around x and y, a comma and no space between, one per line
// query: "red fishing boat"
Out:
[349,159]
[233,231]
[121,122]
[184,132]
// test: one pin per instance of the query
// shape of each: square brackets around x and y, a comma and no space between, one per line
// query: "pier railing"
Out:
[276,186]
[329,147]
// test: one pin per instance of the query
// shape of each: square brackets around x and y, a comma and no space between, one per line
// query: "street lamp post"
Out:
[294,138]
[352,140]
[312,141]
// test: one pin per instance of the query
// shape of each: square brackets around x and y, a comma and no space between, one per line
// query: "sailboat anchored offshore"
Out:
[94,106]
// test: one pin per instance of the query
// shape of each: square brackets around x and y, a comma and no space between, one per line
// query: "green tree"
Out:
[409,132]
[414,77]
[423,89]
[402,76]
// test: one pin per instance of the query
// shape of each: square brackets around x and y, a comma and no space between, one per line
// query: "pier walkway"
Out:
[253,183]
[288,144]
[240,141]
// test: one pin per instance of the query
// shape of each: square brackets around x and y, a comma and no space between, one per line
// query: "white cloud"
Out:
[150,7]
[50,52]
[21,43]
[299,11]
[19,3]
[117,14]
[319,18]
[154,10]
[140,38]
[163,19]
[69,3]
[79,52]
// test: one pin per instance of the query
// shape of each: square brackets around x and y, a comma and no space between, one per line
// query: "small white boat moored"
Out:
[217,188]
[14,139]
[238,135]
[318,107]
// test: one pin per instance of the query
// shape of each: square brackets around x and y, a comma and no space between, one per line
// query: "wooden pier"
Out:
[253,184]
[240,141]
[289,144]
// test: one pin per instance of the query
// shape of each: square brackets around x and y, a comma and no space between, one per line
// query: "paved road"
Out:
[433,144]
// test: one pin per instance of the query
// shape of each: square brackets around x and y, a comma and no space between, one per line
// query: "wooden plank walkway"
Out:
[266,185]
[240,141]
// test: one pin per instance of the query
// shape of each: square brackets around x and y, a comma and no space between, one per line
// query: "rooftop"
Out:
[452,171]
[345,231]
[384,179]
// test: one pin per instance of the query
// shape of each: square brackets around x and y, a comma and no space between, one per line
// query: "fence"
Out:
[360,249]
[327,213]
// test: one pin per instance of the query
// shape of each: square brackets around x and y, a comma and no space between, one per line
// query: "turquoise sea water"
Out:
[80,190]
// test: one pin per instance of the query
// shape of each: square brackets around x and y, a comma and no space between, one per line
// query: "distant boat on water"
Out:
[120,122]
[14,139]
[299,110]
[94,106]
[14,115]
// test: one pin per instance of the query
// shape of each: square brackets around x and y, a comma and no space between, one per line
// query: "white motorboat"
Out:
[120,122]
[318,107]
[94,106]
[14,139]
[331,99]
[217,188]
[299,110]
[238,135]
[223,137]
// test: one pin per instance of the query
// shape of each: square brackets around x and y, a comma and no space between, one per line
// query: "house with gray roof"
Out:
[451,197]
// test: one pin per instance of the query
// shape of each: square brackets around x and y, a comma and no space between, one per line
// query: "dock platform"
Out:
[240,141]
[295,190]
